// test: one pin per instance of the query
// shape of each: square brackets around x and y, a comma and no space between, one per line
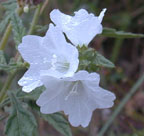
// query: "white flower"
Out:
[50,54]
[81,28]
[77,96]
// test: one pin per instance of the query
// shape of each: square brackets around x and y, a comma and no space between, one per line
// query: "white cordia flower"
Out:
[50,54]
[80,28]
[77,96]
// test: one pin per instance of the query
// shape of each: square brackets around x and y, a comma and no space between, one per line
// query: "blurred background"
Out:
[126,54]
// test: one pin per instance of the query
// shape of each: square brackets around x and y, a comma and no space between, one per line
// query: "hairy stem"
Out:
[8,32]
[7,85]
[6,36]
[35,20]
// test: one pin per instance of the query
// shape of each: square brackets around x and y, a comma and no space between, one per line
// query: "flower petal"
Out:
[40,52]
[77,96]
[81,28]
[31,79]
[60,19]
[100,17]
[51,100]
[58,45]
[31,49]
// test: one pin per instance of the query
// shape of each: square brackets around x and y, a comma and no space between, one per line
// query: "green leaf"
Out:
[10,7]
[11,66]
[34,95]
[109,32]
[2,58]
[21,122]
[4,23]
[3,63]
[91,60]
[58,122]
[102,61]
[18,28]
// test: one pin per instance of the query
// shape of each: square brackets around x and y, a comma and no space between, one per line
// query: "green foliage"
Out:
[11,65]
[18,28]
[110,32]
[10,7]
[21,122]
[34,95]
[58,122]
[2,59]
[91,60]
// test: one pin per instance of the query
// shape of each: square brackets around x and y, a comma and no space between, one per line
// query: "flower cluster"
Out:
[54,63]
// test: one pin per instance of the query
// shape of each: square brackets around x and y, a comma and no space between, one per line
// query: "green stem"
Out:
[116,49]
[8,31]
[121,105]
[7,85]
[11,76]
[6,36]
[35,19]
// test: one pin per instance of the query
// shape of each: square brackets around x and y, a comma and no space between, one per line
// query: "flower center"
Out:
[59,64]
[74,91]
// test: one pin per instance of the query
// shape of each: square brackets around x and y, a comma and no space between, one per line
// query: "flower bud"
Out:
[26,9]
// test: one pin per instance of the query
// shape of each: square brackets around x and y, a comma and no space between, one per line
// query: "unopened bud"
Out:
[26,9]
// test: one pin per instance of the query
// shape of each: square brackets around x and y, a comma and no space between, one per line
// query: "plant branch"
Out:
[6,36]
[35,20]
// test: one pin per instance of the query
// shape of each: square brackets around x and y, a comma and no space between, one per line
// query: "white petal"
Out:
[77,97]
[31,49]
[81,115]
[98,97]
[31,79]
[84,75]
[58,45]
[80,29]
[51,100]
[100,17]
[39,52]
[59,18]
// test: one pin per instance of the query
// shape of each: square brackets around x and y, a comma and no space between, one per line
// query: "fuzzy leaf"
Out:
[91,60]
[109,32]
[58,122]
[102,61]
[18,28]
[2,58]
[10,66]
[34,95]
[10,7]
[4,23]
[3,63]
[21,122]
